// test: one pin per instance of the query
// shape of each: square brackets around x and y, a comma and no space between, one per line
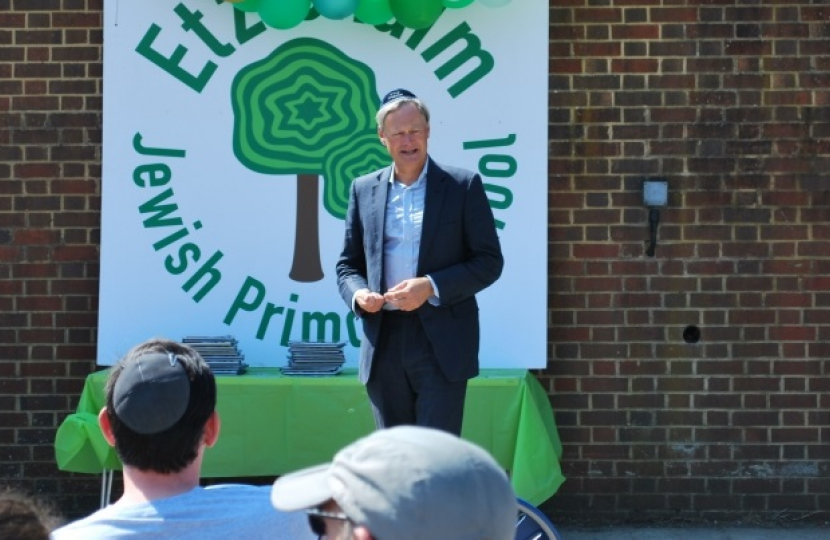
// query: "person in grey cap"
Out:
[404,483]
[420,243]
[160,416]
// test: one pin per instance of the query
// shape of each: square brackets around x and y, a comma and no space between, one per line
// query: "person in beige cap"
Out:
[404,483]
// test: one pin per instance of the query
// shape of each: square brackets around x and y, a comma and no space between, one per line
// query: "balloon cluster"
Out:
[284,14]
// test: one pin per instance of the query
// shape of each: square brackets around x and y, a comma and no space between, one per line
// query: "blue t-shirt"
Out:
[225,511]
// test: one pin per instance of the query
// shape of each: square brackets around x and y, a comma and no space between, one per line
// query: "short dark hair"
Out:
[173,449]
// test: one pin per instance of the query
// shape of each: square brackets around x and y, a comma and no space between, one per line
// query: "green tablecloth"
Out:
[273,424]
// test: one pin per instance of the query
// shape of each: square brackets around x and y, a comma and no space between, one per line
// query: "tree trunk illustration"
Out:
[306,265]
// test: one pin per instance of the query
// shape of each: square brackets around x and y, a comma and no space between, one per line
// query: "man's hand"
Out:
[409,294]
[370,302]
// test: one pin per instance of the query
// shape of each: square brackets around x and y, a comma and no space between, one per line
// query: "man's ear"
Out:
[212,429]
[106,427]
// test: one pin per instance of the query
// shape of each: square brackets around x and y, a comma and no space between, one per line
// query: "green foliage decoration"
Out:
[308,109]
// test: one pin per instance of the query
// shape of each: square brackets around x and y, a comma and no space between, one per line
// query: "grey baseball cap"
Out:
[410,483]
[151,393]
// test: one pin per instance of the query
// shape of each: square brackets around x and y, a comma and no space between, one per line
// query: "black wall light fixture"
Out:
[655,197]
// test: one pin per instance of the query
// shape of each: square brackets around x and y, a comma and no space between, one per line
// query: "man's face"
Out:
[405,133]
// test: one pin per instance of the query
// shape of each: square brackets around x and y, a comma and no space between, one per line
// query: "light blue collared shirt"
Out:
[402,230]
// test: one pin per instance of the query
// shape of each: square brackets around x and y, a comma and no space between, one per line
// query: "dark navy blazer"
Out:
[459,249]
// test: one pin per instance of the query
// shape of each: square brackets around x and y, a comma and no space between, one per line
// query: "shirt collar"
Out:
[421,176]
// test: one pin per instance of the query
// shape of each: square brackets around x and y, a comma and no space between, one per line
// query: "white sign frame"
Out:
[173,187]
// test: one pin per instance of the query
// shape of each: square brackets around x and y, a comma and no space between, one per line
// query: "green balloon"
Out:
[335,9]
[283,14]
[456,4]
[416,13]
[248,6]
[373,11]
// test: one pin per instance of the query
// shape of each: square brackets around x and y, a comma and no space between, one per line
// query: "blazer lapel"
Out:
[432,209]
[379,195]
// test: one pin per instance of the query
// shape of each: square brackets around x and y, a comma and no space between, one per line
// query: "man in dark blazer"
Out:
[420,243]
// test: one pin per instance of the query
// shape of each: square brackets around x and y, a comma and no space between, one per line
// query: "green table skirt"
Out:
[272,424]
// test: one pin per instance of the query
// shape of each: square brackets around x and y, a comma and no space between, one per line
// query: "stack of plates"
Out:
[220,352]
[314,359]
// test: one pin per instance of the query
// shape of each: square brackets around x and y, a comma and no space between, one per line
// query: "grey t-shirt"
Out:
[223,511]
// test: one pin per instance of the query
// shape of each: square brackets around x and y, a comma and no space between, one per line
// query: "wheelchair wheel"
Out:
[532,524]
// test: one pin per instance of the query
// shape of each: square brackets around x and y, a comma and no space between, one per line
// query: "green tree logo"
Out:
[308,109]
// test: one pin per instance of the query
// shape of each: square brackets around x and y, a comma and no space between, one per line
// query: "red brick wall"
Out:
[726,100]
[50,169]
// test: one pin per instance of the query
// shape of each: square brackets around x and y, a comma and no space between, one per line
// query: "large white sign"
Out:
[228,149]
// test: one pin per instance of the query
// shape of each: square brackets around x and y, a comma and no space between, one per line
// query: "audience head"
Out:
[158,399]
[23,517]
[406,483]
